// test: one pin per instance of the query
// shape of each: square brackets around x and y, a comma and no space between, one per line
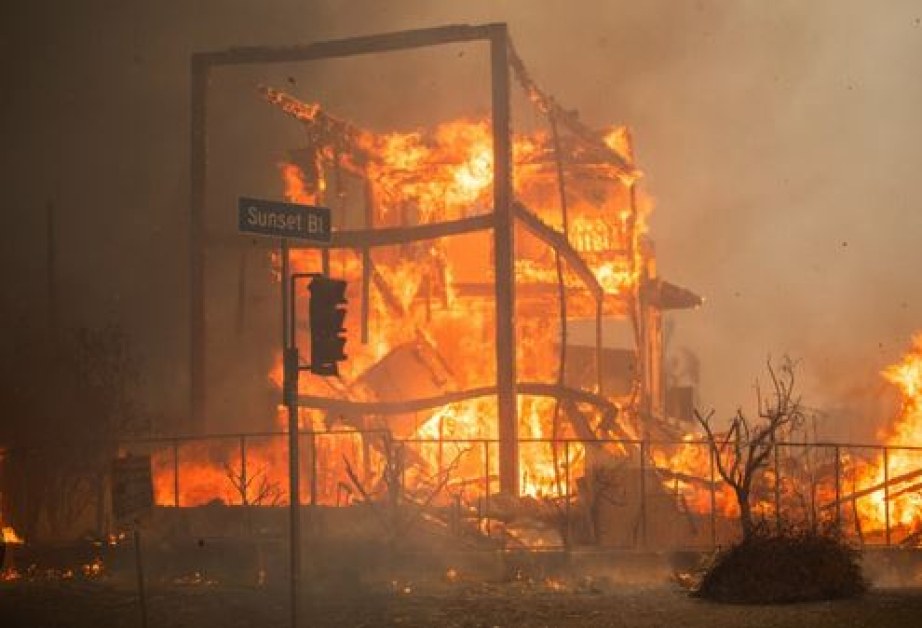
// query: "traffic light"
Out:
[328,312]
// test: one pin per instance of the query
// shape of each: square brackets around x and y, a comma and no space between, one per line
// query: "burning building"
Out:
[505,311]
[505,338]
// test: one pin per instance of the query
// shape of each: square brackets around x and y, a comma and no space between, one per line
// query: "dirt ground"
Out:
[82,604]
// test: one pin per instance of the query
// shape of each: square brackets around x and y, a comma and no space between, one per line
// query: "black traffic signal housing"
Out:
[327,314]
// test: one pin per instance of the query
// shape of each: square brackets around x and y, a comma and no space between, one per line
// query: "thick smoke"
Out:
[779,139]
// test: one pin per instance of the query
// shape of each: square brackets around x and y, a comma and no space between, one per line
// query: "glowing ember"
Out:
[195,579]
[10,574]
[10,537]
[93,569]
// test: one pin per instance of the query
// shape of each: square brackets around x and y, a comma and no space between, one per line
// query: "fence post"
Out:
[243,470]
[176,473]
[811,462]
[777,489]
[486,485]
[838,469]
[569,492]
[312,450]
[713,488]
[643,494]
[886,453]
[401,461]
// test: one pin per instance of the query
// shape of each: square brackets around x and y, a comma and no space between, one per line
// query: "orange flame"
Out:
[416,296]
[905,508]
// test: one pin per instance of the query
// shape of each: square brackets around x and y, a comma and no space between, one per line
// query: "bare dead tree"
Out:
[256,489]
[400,510]
[742,452]
[69,393]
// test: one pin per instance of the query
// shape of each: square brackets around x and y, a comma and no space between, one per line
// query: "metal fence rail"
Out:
[660,493]
[861,488]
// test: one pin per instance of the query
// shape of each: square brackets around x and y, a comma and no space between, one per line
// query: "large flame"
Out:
[905,504]
[425,294]
[877,489]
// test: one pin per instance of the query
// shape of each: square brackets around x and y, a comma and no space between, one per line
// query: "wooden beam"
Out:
[504,263]
[579,422]
[369,223]
[390,236]
[534,289]
[537,389]
[384,289]
[406,406]
[669,474]
[199,71]
[560,244]
[873,489]
[354,46]
[200,66]
[914,488]
[568,118]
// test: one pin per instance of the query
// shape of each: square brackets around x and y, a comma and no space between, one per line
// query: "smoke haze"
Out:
[780,140]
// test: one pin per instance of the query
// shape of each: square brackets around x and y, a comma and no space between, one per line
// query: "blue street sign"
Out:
[283,220]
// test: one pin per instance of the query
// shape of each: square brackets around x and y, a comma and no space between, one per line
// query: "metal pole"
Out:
[566,461]
[322,198]
[366,292]
[176,473]
[366,258]
[504,260]
[313,452]
[240,323]
[713,501]
[886,453]
[51,263]
[643,494]
[401,461]
[838,472]
[486,482]
[777,489]
[142,597]
[290,391]
[199,69]
[598,344]
[243,470]
[811,461]
[440,450]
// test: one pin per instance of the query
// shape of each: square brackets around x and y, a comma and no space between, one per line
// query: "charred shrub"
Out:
[791,565]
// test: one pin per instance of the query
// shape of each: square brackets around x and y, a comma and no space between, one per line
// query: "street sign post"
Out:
[283,220]
[132,499]
[288,221]
[132,488]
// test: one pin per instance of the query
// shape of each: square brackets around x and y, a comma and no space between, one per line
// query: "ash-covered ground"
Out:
[630,592]
[428,604]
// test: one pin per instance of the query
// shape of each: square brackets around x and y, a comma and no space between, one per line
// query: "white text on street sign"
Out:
[283,220]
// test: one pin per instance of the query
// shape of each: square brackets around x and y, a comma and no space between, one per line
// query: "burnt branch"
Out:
[743,451]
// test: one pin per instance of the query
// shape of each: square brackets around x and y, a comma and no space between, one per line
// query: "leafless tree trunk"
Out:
[744,449]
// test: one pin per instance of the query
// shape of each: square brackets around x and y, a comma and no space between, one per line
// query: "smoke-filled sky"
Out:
[781,141]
